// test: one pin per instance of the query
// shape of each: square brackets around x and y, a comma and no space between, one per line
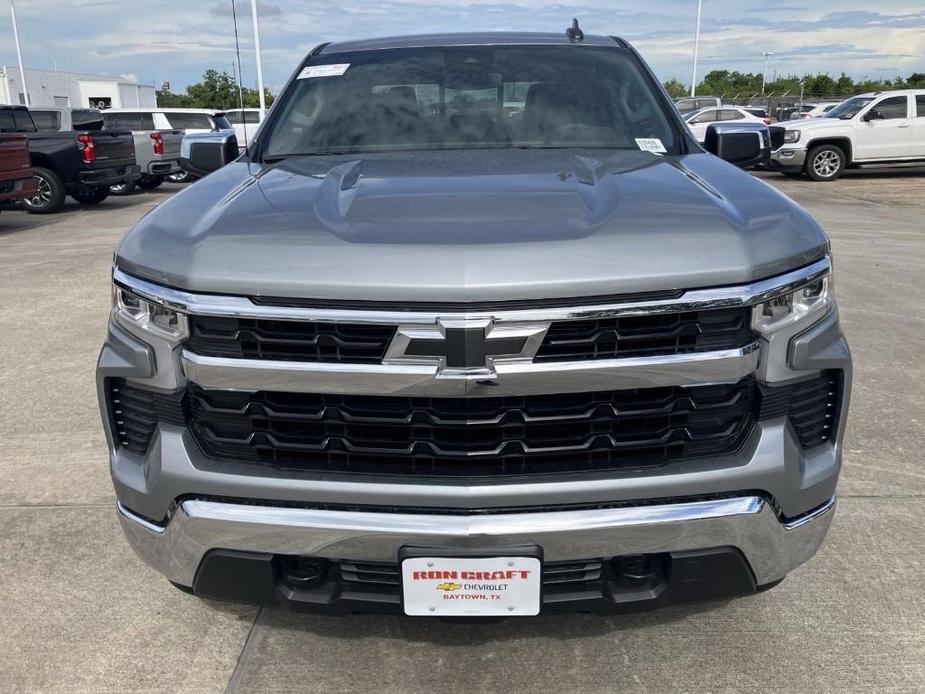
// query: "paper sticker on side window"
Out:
[323,71]
[650,144]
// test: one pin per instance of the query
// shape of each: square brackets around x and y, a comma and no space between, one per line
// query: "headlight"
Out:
[791,136]
[135,313]
[805,305]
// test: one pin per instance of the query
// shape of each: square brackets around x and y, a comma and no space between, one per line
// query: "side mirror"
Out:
[203,153]
[873,114]
[742,144]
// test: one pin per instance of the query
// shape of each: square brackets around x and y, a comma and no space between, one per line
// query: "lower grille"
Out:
[473,436]
[384,574]
[571,576]
[559,578]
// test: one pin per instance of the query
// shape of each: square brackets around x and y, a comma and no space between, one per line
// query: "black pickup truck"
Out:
[79,163]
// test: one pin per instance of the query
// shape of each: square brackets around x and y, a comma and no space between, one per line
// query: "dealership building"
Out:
[53,88]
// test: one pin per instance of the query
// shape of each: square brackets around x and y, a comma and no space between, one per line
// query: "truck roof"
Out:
[62,109]
[468,39]
[884,92]
[159,109]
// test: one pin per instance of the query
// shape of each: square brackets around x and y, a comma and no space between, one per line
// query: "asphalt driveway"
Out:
[80,613]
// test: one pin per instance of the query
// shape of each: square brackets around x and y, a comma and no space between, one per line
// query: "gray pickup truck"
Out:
[157,151]
[475,328]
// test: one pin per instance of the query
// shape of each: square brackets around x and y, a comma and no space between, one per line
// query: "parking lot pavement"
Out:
[80,613]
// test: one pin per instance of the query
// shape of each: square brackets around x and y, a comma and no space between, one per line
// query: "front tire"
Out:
[49,197]
[150,182]
[90,195]
[825,163]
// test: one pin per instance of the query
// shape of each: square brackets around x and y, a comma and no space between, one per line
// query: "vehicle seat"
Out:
[477,127]
[396,116]
[553,109]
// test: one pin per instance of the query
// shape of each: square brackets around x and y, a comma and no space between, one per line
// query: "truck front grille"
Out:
[473,436]
[580,340]
[647,336]
[280,340]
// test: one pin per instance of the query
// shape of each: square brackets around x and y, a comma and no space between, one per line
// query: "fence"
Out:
[780,106]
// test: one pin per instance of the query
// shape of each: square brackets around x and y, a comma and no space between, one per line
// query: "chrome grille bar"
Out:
[693,300]
[726,366]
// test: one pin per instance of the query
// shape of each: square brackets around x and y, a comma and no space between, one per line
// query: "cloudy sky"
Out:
[177,40]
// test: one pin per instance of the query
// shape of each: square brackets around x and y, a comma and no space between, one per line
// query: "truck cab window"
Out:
[459,97]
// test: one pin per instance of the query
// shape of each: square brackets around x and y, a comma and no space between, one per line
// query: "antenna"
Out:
[574,33]
[237,49]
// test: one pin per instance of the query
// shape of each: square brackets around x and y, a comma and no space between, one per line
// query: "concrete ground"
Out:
[80,613]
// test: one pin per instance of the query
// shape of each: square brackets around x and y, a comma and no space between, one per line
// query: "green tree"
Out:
[215,90]
[844,84]
[819,85]
[731,83]
[168,99]
[676,88]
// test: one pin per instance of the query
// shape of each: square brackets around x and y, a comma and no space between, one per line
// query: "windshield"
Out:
[850,108]
[190,121]
[87,119]
[469,97]
[221,122]
[16,121]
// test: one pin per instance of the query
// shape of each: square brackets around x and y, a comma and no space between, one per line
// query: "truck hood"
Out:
[468,226]
[816,124]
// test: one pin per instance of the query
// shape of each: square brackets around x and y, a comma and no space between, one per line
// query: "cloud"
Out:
[184,39]
[243,9]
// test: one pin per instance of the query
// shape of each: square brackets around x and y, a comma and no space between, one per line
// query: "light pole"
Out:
[263,103]
[764,75]
[22,71]
[696,49]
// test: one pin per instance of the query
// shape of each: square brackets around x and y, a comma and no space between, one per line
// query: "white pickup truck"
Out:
[876,128]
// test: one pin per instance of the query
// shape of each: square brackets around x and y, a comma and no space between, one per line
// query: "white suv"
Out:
[875,128]
[245,122]
[189,120]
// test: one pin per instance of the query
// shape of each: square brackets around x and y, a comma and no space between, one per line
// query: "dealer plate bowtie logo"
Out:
[466,348]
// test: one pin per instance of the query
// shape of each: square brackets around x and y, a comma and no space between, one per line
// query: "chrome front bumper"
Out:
[748,523]
[788,158]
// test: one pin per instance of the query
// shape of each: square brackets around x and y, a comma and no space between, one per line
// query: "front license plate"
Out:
[465,587]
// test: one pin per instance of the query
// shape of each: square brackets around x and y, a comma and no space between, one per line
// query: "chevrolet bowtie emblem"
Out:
[466,347]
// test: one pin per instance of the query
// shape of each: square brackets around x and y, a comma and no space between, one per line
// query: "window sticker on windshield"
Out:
[323,71]
[650,144]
